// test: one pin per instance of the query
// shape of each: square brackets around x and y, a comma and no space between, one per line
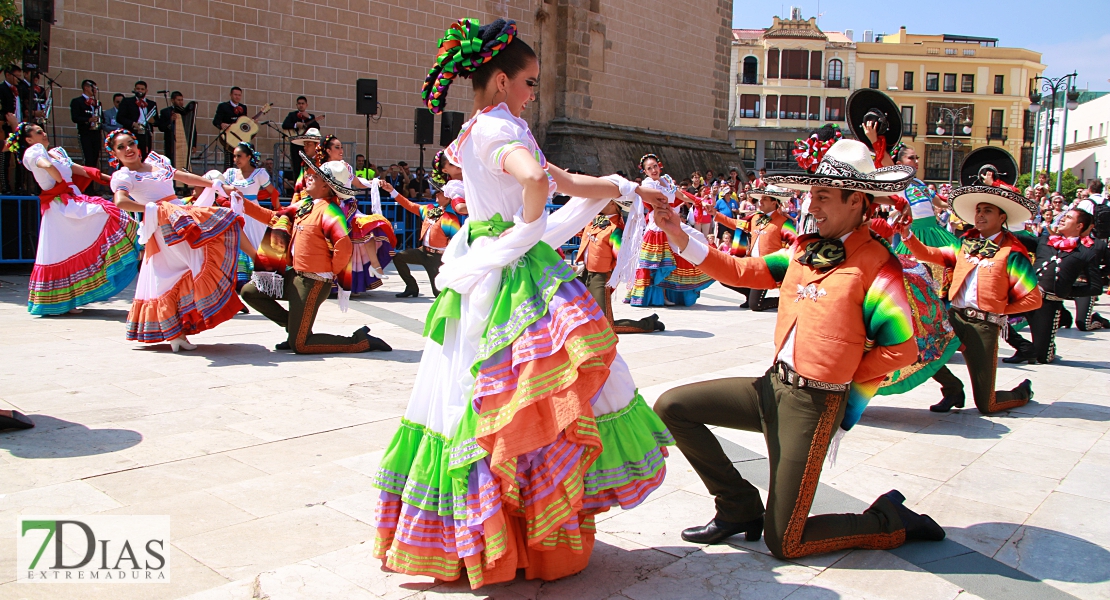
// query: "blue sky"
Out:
[1070,34]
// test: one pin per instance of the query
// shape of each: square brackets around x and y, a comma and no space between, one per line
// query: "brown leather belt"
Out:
[981,315]
[792,378]
[431,250]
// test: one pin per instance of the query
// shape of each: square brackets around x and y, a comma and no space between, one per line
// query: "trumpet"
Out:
[98,116]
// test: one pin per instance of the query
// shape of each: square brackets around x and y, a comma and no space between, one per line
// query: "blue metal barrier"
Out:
[19,227]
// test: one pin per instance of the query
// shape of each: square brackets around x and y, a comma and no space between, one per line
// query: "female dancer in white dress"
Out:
[372,235]
[87,247]
[187,281]
[249,179]
[523,422]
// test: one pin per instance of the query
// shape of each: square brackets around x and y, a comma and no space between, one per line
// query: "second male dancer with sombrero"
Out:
[318,250]
[843,324]
[992,278]
[769,231]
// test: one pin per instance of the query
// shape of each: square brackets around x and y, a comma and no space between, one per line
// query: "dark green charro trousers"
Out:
[980,350]
[305,297]
[797,424]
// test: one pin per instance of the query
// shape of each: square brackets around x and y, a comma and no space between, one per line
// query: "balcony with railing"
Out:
[909,130]
[749,79]
[842,83]
[996,133]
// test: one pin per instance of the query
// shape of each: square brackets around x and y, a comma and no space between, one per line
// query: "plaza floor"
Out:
[263,460]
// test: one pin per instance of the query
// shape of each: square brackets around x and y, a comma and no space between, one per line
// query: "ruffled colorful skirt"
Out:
[522,426]
[87,252]
[936,341]
[930,233]
[365,231]
[661,276]
[189,274]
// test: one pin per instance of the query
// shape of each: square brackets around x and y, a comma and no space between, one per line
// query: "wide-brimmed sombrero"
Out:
[1018,208]
[337,174]
[848,165]
[312,135]
[772,191]
[988,158]
[868,104]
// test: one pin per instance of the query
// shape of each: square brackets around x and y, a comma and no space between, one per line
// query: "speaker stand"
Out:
[421,156]
[367,138]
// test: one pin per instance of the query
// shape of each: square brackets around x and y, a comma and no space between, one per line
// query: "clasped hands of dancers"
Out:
[524,421]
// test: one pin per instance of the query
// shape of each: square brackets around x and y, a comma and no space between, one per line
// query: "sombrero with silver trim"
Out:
[337,174]
[312,135]
[1018,208]
[848,166]
[772,191]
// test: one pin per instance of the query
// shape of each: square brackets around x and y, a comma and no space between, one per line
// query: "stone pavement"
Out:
[263,460]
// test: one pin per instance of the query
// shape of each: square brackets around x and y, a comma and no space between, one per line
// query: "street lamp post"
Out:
[1053,86]
[953,117]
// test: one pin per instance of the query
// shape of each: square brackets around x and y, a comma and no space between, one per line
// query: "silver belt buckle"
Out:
[801,381]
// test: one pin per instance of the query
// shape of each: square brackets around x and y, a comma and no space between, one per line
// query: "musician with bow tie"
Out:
[177,122]
[13,107]
[844,323]
[139,115]
[86,112]
[226,114]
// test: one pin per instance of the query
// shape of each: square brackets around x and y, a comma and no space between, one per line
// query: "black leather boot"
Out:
[716,531]
[918,527]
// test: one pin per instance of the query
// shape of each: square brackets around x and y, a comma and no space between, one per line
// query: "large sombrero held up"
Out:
[337,174]
[872,105]
[988,158]
[312,135]
[772,191]
[1018,208]
[848,165]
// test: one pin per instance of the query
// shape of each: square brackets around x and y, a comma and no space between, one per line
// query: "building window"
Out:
[932,82]
[747,150]
[908,126]
[907,81]
[939,158]
[778,151]
[997,127]
[999,84]
[834,109]
[967,84]
[873,83]
[836,72]
[750,74]
[950,51]
[749,106]
[949,82]
[815,108]
[795,64]
[793,107]
[772,107]
[815,65]
[773,63]
[969,53]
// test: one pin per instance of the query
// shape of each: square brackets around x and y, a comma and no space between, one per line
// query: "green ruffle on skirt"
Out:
[629,440]
[930,233]
[904,380]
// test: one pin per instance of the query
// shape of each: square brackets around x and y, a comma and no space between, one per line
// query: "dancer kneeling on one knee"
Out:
[843,325]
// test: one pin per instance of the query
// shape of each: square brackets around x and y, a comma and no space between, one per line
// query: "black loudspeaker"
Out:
[37,16]
[423,127]
[366,96]
[449,125]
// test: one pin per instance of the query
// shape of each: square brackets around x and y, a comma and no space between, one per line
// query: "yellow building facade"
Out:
[924,73]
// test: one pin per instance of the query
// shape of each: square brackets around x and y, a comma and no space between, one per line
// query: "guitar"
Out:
[300,128]
[243,129]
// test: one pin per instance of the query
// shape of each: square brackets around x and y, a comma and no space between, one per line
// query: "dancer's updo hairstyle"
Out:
[471,50]
[17,142]
[321,155]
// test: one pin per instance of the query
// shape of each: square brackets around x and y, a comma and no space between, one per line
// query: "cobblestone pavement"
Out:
[264,459]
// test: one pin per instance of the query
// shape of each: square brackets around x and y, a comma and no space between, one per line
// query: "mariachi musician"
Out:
[178,123]
[85,111]
[226,114]
[137,114]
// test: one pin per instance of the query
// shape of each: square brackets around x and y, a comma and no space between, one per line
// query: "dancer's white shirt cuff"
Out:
[696,250]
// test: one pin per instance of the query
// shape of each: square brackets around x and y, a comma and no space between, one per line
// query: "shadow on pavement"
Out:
[58,438]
